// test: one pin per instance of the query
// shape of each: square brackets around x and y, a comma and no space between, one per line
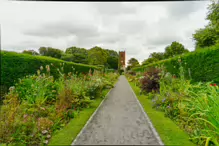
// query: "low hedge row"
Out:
[16,65]
[203,65]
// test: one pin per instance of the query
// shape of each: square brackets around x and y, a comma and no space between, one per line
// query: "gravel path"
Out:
[120,120]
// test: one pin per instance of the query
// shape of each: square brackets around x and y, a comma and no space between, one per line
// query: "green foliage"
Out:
[201,65]
[112,59]
[170,51]
[16,65]
[193,107]
[132,63]
[209,35]
[97,56]
[157,55]
[205,37]
[174,49]
[168,131]
[56,53]
[149,61]
[30,52]
[77,55]
[37,106]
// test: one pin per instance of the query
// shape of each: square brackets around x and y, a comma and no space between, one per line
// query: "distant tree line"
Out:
[93,56]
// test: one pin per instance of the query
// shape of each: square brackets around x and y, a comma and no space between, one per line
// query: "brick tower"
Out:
[122,60]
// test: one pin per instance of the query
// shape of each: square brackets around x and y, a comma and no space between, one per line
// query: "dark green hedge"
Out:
[16,65]
[203,65]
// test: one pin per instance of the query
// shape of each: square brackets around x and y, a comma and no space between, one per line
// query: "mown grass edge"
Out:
[69,133]
[168,131]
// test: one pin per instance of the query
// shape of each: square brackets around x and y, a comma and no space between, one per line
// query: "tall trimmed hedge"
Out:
[203,65]
[16,65]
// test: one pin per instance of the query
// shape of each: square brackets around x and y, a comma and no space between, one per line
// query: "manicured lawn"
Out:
[169,132]
[66,135]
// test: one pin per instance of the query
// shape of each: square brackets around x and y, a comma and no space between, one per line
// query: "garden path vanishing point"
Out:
[120,120]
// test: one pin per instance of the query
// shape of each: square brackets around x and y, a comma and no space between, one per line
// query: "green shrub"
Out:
[38,105]
[121,71]
[194,107]
[16,65]
[200,65]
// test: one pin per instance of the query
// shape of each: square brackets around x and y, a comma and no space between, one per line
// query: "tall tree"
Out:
[205,37]
[209,35]
[174,49]
[112,59]
[77,55]
[97,56]
[132,63]
[31,52]
[157,55]
[149,61]
[52,52]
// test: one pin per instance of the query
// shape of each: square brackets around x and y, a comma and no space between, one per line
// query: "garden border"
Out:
[91,117]
[147,118]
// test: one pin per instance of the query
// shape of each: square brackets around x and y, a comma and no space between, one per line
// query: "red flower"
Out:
[210,84]
[215,84]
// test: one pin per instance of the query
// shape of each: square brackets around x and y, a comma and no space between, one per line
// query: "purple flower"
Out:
[168,106]
[164,100]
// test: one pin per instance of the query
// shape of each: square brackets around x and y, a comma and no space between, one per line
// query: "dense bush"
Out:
[121,71]
[150,80]
[193,107]
[201,65]
[16,65]
[132,72]
[38,105]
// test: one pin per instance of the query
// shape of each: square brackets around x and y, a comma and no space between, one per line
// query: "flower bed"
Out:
[38,105]
[193,107]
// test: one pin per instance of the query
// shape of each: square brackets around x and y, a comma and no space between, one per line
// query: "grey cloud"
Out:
[103,38]
[164,39]
[132,27]
[182,9]
[114,8]
[64,28]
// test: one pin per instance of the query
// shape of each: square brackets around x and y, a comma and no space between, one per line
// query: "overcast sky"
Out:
[138,28]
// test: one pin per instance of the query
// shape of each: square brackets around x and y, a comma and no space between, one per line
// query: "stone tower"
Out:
[122,60]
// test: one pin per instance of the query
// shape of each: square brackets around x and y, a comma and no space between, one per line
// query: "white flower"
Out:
[46,141]
[44,131]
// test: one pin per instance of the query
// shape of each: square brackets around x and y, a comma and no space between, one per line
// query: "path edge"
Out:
[154,131]
[91,117]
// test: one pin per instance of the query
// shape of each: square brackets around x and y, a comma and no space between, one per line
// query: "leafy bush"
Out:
[132,73]
[150,81]
[194,107]
[38,105]
[121,71]
[17,65]
[200,65]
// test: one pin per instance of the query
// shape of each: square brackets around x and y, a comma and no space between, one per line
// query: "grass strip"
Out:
[67,135]
[168,131]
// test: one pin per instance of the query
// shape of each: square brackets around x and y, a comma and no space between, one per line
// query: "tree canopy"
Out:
[174,49]
[209,36]
[133,62]
[31,52]
[52,52]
